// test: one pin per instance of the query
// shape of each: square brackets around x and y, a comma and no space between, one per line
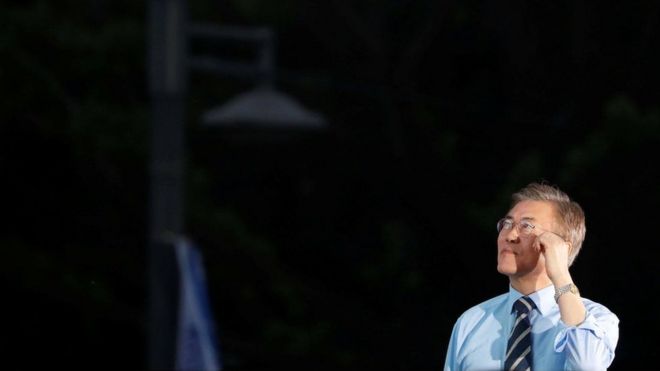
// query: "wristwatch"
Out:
[564,289]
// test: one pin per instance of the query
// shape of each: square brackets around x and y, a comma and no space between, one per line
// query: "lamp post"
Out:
[166,45]
[168,66]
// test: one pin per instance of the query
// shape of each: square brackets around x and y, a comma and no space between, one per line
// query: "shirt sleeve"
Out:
[452,349]
[589,345]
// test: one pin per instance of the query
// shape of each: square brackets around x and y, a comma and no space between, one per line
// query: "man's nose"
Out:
[511,235]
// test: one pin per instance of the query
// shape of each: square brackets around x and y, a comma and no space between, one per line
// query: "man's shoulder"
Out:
[482,309]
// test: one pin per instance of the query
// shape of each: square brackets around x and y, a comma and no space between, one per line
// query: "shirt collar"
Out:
[543,298]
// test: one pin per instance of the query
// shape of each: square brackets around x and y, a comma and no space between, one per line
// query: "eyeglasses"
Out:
[523,227]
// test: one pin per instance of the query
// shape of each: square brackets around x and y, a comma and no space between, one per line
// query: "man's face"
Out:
[516,256]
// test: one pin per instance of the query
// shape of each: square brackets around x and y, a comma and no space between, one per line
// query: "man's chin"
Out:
[506,270]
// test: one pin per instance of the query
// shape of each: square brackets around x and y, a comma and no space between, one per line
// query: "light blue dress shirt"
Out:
[479,338]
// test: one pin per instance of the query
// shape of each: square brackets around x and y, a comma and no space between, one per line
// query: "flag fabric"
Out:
[197,346]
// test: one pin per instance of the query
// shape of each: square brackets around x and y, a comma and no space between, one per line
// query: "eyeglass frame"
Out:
[518,224]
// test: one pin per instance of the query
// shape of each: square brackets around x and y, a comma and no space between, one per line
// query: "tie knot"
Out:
[524,305]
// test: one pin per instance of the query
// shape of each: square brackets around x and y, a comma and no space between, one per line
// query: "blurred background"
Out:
[355,245]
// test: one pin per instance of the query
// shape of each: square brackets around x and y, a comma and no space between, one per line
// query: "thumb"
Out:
[542,259]
[537,245]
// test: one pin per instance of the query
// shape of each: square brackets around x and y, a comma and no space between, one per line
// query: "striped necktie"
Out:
[519,347]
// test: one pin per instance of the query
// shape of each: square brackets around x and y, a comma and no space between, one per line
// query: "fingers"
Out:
[538,247]
[552,243]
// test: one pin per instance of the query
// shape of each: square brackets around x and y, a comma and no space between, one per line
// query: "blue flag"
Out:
[197,346]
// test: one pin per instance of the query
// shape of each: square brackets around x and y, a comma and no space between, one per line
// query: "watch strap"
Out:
[564,289]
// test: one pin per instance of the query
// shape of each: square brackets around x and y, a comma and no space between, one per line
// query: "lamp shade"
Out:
[264,108]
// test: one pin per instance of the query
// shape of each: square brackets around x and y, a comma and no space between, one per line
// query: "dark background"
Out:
[357,247]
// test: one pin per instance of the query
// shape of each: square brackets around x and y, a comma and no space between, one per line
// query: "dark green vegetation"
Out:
[353,248]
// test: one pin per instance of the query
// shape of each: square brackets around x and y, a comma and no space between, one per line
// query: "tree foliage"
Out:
[357,247]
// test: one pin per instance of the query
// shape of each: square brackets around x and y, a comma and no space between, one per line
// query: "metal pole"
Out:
[166,48]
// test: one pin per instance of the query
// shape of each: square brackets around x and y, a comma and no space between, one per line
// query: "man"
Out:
[542,323]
